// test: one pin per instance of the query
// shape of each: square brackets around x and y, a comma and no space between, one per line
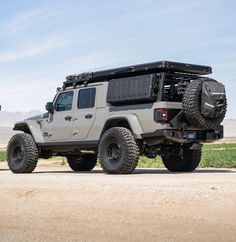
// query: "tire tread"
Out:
[189,162]
[131,159]
[82,163]
[31,155]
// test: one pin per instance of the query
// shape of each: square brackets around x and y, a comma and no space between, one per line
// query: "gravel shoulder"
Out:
[56,204]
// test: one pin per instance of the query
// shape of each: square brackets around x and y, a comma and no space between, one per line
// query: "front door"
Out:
[60,127]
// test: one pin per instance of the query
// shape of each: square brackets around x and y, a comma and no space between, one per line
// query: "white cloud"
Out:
[87,63]
[35,49]
[29,20]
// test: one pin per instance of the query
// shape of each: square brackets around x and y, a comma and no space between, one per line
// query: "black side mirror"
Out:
[49,107]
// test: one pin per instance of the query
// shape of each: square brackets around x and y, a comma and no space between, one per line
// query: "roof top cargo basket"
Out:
[137,70]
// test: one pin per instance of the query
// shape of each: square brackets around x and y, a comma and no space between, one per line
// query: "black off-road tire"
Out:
[82,163]
[118,151]
[192,107]
[22,153]
[188,161]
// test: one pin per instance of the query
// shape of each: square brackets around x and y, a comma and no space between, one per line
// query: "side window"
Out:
[86,98]
[64,101]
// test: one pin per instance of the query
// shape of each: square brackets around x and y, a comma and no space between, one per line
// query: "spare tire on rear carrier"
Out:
[204,103]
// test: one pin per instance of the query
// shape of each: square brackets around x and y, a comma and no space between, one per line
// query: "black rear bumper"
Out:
[187,136]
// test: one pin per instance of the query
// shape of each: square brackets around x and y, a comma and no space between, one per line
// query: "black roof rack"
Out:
[135,70]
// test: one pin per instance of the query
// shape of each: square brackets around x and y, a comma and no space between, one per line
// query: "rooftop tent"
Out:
[136,70]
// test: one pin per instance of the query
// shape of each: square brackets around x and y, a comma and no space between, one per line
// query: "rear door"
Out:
[84,115]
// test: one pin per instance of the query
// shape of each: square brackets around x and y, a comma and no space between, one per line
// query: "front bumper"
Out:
[180,136]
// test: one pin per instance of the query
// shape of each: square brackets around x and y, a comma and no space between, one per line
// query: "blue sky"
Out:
[43,41]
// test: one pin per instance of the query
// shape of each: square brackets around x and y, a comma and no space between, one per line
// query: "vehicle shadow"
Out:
[164,171]
[68,172]
[5,169]
[141,171]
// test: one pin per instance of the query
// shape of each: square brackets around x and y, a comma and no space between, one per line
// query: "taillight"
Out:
[161,115]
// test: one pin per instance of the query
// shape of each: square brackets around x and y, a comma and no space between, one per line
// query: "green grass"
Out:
[2,155]
[219,155]
[213,155]
[145,162]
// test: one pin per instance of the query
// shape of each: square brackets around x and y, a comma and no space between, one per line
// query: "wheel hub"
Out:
[114,152]
[18,154]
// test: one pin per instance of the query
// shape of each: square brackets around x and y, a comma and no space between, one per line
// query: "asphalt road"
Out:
[55,204]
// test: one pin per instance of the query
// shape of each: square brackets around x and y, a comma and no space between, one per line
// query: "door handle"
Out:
[68,118]
[88,116]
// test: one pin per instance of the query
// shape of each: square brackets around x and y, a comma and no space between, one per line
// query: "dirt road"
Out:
[55,204]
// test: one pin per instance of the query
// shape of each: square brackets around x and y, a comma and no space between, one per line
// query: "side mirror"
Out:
[49,107]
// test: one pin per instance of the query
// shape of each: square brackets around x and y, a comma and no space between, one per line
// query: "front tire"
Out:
[82,163]
[22,153]
[182,159]
[118,151]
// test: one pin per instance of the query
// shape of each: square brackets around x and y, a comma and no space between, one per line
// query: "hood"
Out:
[38,117]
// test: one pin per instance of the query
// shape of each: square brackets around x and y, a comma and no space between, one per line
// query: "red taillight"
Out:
[160,114]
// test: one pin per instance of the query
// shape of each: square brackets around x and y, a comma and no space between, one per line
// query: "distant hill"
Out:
[229,128]
[7,119]
[5,134]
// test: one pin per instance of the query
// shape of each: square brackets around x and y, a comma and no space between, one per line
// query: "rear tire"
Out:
[22,153]
[82,163]
[118,151]
[185,160]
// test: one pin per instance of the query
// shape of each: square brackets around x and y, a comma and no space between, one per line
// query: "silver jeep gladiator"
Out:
[162,108]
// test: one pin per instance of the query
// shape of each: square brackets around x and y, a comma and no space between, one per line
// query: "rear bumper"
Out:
[187,136]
